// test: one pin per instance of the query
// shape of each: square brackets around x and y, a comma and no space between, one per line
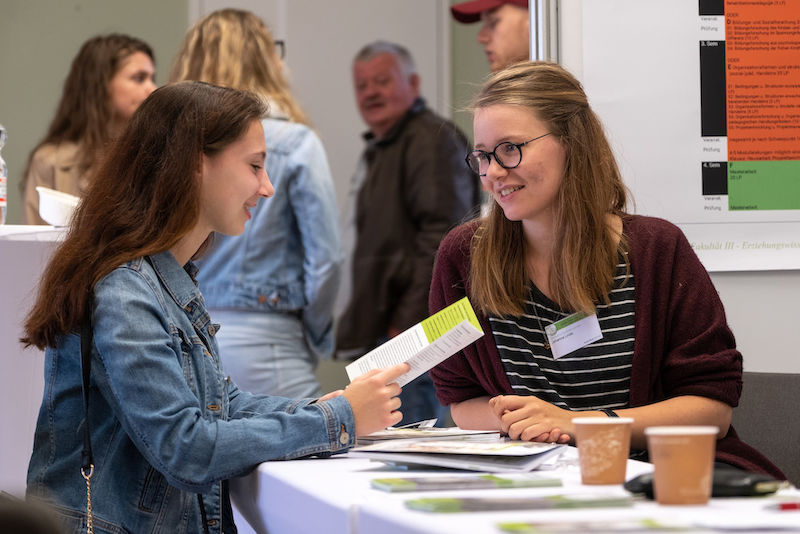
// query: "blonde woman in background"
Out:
[274,286]
[109,78]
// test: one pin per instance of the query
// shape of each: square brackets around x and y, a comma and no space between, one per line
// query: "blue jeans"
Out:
[420,402]
[266,353]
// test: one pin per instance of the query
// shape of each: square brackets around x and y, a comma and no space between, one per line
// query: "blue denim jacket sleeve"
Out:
[169,394]
[314,202]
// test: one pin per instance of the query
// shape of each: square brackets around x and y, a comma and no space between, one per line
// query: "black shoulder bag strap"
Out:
[87,460]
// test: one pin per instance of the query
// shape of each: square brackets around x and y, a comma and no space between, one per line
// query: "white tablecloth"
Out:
[24,251]
[334,496]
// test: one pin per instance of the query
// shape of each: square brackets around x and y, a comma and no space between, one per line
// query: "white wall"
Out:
[22,379]
[321,40]
[38,40]
[762,309]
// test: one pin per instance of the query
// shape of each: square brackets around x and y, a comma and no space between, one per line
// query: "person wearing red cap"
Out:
[505,34]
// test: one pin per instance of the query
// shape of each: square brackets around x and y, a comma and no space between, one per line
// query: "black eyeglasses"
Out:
[280,46]
[507,154]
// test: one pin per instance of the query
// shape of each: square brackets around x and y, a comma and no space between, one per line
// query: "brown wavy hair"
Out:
[587,247]
[84,113]
[144,198]
[234,48]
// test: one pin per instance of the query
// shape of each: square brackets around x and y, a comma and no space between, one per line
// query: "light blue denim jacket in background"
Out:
[289,257]
[166,422]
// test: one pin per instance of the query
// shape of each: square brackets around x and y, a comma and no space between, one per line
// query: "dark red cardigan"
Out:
[683,345]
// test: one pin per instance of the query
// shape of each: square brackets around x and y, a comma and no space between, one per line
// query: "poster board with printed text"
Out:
[701,101]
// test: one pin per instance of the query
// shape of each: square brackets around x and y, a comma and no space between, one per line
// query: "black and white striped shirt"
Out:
[595,376]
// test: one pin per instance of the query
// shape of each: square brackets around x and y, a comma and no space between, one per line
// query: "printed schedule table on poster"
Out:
[335,496]
[705,126]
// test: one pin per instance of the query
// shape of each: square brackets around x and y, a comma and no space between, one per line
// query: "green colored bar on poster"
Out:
[763,185]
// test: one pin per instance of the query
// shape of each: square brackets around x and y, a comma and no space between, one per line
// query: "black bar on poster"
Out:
[712,7]
[715,177]
[713,105]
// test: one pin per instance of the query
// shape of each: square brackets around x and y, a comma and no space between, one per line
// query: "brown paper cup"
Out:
[683,457]
[603,447]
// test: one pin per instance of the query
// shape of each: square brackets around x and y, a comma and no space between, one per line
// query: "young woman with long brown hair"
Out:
[585,307]
[109,78]
[165,420]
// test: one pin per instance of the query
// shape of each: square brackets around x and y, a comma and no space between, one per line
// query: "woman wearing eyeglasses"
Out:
[585,308]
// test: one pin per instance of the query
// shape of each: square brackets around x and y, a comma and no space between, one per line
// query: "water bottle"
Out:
[3,176]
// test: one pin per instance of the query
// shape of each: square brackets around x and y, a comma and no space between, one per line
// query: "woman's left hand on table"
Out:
[531,419]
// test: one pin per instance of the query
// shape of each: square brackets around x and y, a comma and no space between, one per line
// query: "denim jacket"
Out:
[166,422]
[288,259]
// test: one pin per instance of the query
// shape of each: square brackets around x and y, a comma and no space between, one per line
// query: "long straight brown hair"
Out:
[234,48]
[145,197]
[587,247]
[85,111]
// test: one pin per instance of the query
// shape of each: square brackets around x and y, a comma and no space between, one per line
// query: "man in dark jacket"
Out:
[411,186]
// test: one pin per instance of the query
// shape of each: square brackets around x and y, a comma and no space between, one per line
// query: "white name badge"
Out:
[573,332]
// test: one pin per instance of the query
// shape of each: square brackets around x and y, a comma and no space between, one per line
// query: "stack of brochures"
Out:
[423,346]
[464,482]
[394,433]
[474,453]
[488,504]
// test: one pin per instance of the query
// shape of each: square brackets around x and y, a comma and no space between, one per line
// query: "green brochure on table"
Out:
[604,526]
[461,482]
[487,504]
[425,344]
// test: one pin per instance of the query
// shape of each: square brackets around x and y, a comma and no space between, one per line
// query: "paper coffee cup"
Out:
[683,457]
[603,447]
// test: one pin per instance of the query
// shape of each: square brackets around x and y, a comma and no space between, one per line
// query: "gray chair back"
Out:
[768,418]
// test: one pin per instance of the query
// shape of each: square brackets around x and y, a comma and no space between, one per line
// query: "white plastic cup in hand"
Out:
[683,457]
[603,447]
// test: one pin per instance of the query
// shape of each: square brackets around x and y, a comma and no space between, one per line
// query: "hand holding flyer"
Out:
[425,344]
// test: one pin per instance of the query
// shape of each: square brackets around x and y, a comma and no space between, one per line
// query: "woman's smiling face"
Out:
[233,181]
[528,191]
